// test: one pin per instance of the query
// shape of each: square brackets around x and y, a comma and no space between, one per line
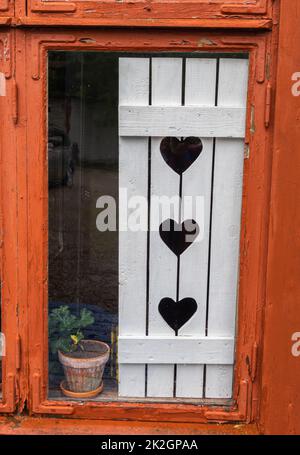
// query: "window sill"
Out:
[43,426]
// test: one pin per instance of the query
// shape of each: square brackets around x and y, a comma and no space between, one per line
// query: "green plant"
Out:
[65,329]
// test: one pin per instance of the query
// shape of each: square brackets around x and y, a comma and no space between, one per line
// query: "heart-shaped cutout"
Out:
[178,237]
[180,154]
[176,314]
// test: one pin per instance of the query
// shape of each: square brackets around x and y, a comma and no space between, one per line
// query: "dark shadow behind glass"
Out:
[83,166]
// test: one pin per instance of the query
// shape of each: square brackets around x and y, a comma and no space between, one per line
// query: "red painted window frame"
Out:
[6,8]
[32,82]
[8,229]
[217,13]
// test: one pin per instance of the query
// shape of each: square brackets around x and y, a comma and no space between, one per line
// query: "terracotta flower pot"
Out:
[84,368]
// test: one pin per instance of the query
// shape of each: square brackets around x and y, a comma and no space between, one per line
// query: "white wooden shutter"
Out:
[133,175]
[225,228]
[206,98]
[201,75]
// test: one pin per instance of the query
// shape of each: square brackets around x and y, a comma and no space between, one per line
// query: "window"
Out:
[145,176]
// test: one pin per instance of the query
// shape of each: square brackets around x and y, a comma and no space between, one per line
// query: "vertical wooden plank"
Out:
[225,231]
[280,405]
[133,177]
[200,85]
[166,90]
[200,90]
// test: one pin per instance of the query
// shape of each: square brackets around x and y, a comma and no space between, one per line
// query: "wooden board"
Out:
[167,102]
[133,170]
[200,89]
[205,13]
[180,350]
[225,227]
[182,121]
[166,89]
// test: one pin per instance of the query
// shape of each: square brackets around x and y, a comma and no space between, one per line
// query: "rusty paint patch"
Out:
[246,151]
[252,120]
[87,40]
[2,84]
[182,42]
[14,422]
[206,42]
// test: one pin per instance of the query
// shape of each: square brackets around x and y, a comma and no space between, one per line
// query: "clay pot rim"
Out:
[81,360]
[90,394]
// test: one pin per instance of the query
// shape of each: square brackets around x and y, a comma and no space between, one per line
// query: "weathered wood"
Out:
[9,241]
[166,89]
[200,89]
[166,350]
[2,84]
[236,14]
[133,172]
[280,407]
[182,121]
[254,228]
[226,222]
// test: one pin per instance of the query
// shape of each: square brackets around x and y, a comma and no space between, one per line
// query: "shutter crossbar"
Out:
[176,350]
[182,121]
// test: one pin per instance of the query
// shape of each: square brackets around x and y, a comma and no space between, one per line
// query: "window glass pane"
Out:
[82,166]
[145,171]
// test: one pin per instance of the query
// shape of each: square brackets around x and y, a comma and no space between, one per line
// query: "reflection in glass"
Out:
[83,262]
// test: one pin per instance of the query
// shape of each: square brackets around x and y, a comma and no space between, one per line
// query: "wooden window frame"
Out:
[6,8]
[8,229]
[238,13]
[32,74]
[7,12]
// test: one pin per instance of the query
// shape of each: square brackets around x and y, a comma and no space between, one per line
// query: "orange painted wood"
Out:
[238,14]
[152,10]
[280,409]
[54,426]
[239,23]
[254,221]
[21,182]
[7,9]
[243,7]
[20,9]
[8,225]
[265,361]
[5,5]
[202,13]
